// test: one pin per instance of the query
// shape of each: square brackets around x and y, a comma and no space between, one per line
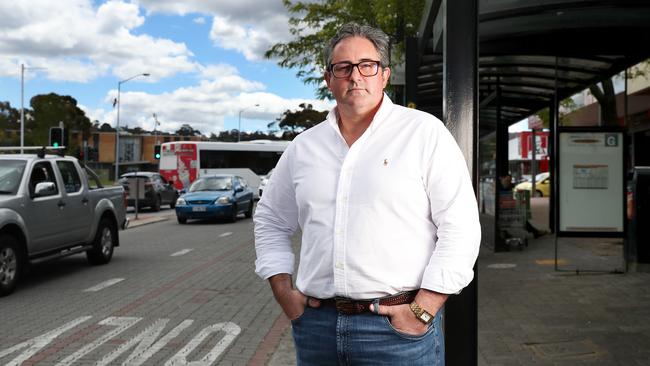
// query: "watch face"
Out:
[426,317]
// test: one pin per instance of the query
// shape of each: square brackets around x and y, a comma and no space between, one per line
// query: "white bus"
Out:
[181,162]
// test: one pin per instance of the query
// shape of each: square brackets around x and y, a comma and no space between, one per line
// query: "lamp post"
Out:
[239,128]
[22,102]
[155,132]
[117,125]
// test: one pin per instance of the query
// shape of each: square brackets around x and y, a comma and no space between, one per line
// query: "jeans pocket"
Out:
[413,337]
[297,320]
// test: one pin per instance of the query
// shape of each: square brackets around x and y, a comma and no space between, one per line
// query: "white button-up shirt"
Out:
[393,212]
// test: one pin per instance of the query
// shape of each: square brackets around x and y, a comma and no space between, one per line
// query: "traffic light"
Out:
[156,152]
[56,137]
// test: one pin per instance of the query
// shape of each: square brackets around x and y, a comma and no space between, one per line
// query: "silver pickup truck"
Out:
[51,207]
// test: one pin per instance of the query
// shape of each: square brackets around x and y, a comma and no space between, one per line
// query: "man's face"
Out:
[361,93]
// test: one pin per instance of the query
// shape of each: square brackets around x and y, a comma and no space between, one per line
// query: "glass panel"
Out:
[42,172]
[11,173]
[601,104]
[71,180]
[487,173]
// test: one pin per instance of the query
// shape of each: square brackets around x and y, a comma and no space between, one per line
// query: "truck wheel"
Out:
[104,243]
[249,212]
[10,264]
[156,204]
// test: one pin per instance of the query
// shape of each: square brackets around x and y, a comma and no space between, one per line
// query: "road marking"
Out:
[36,344]
[122,323]
[231,330]
[145,343]
[181,252]
[41,354]
[225,234]
[104,284]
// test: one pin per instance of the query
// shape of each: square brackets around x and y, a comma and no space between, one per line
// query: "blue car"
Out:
[215,196]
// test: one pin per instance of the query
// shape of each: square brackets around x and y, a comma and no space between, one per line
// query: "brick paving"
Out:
[531,314]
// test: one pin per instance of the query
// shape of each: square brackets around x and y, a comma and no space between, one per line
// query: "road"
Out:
[172,295]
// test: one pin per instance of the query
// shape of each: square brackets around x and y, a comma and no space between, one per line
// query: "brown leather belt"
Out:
[350,306]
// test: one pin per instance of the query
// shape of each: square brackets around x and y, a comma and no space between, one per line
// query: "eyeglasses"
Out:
[344,69]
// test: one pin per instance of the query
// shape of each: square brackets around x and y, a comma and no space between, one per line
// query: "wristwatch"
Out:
[422,315]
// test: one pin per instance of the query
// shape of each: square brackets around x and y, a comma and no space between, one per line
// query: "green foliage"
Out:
[301,119]
[9,119]
[567,106]
[313,24]
[49,110]
[187,130]
[232,135]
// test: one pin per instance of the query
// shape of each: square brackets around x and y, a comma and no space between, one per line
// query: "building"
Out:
[520,154]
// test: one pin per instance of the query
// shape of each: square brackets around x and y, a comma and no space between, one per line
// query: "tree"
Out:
[567,106]
[50,109]
[187,130]
[105,127]
[313,24]
[9,119]
[300,120]
[607,100]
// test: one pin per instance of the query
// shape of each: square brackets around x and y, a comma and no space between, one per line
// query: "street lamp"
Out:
[239,128]
[117,127]
[22,102]
[156,124]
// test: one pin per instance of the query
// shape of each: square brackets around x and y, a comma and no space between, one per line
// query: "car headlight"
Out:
[180,201]
[223,200]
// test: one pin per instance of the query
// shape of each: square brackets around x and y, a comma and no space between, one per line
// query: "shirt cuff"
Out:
[446,280]
[267,267]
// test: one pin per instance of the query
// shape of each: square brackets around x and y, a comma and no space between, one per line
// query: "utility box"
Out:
[638,212]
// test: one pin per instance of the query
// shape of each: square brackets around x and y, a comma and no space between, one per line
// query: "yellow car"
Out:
[542,185]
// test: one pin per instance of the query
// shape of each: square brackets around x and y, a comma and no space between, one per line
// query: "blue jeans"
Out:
[324,337]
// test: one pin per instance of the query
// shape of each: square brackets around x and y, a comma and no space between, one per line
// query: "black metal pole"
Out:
[411,71]
[460,114]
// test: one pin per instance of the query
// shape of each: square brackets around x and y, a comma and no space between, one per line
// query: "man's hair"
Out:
[375,35]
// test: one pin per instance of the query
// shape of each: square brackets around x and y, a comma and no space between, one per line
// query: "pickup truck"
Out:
[50,207]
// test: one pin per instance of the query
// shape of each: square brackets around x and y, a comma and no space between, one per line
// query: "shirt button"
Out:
[339,265]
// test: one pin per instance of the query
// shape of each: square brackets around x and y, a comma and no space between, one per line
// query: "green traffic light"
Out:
[157,156]
[56,144]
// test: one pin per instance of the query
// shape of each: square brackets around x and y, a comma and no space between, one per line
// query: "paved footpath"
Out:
[531,314]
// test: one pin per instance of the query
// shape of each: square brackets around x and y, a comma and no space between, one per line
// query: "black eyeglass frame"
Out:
[352,66]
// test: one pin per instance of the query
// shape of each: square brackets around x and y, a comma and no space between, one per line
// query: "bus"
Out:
[182,162]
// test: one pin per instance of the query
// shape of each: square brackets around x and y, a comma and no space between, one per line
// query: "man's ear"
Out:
[327,77]
[385,72]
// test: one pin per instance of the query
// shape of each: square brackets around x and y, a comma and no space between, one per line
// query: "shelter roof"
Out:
[533,49]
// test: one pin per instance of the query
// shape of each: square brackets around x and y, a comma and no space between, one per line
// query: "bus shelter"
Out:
[481,66]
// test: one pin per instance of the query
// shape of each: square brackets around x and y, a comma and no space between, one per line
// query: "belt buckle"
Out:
[343,305]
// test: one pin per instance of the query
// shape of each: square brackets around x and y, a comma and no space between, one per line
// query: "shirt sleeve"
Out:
[276,219]
[454,212]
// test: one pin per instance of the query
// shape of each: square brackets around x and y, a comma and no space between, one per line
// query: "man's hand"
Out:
[292,301]
[402,317]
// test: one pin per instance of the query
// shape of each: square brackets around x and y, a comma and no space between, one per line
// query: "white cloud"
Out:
[204,106]
[248,26]
[83,43]
[199,20]
[251,41]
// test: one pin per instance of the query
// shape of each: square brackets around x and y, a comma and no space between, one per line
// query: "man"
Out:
[388,217]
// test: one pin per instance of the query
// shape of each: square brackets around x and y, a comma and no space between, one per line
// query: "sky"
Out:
[205,59]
